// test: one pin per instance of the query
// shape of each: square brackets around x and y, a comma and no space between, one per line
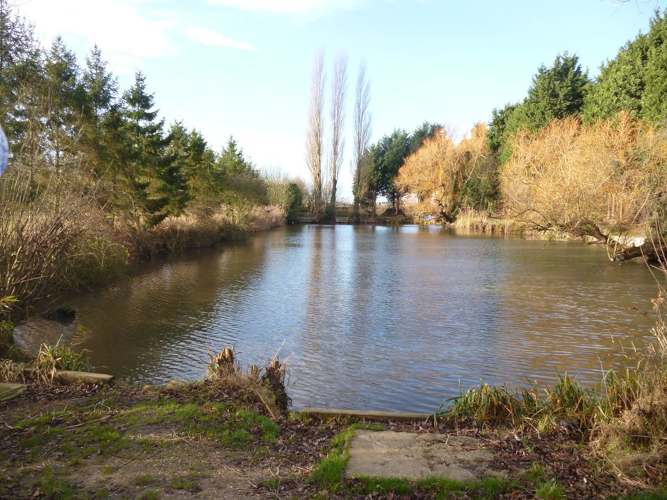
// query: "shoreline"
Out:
[310,448]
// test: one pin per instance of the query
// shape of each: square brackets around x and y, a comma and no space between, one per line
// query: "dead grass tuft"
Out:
[267,384]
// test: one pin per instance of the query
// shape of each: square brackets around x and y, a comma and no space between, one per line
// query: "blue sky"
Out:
[242,67]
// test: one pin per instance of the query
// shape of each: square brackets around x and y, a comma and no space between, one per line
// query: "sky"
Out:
[242,67]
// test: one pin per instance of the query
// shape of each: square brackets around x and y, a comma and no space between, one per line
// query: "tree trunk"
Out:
[649,251]
[334,182]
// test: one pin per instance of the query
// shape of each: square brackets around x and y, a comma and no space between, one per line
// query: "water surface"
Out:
[375,317]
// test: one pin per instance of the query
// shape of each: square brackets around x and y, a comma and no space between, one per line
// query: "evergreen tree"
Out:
[654,98]
[62,103]
[496,131]
[389,154]
[156,177]
[100,89]
[20,72]
[556,92]
[99,84]
[620,85]
[232,162]
[425,131]
[635,81]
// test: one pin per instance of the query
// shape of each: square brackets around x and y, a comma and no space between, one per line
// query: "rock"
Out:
[405,455]
[31,334]
[9,391]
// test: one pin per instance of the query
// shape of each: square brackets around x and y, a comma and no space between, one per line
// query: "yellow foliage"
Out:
[580,178]
[440,172]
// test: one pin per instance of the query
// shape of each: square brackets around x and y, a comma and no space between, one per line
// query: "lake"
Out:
[377,317]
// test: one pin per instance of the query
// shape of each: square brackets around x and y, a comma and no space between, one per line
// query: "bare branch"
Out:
[338,91]
[362,135]
[315,127]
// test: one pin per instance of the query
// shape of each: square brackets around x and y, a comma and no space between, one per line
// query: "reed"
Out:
[51,358]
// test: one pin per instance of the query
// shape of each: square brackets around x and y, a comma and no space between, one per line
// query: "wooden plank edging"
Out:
[365,414]
[73,377]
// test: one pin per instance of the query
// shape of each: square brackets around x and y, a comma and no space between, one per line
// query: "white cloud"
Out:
[287,6]
[212,38]
[127,31]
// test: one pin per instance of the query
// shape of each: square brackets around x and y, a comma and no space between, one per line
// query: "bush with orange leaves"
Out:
[447,176]
[587,180]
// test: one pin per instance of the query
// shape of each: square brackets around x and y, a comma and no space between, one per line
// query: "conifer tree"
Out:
[156,177]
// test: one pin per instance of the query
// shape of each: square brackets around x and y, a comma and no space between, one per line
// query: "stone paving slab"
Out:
[9,391]
[412,456]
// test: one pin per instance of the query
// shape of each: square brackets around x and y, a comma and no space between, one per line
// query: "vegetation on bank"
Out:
[579,156]
[97,180]
[566,442]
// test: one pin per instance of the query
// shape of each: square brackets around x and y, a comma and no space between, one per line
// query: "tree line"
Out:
[594,148]
[71,118]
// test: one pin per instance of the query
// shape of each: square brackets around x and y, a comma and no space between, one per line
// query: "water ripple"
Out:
[375,318]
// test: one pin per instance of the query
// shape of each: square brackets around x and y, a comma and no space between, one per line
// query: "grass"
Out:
[490,487]
[6,338]
[145,480]
[80,433]
[550,490]
[566,402]
[53,486]
[150,495]
[329,473]
[535,472]
[58,357]
[189,483]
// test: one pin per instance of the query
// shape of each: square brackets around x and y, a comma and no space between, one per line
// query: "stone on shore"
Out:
[405,455]
[10,391]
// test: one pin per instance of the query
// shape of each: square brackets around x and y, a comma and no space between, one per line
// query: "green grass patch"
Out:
[550,490]
[491,487]
[145,480]
[330,472]
[535,472]
[150,495]
[82,432]
[189,483]
[52,485]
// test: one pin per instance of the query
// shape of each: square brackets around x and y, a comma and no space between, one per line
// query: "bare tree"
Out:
[338,91]
[315,128]
[362,137]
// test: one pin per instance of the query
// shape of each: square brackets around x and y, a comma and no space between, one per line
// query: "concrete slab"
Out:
[9,391]
[406,455]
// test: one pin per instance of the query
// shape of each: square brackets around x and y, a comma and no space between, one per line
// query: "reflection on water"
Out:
[375,317]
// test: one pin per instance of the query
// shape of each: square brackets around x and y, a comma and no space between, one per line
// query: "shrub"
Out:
[451,176]
[293,202]
[586,179]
